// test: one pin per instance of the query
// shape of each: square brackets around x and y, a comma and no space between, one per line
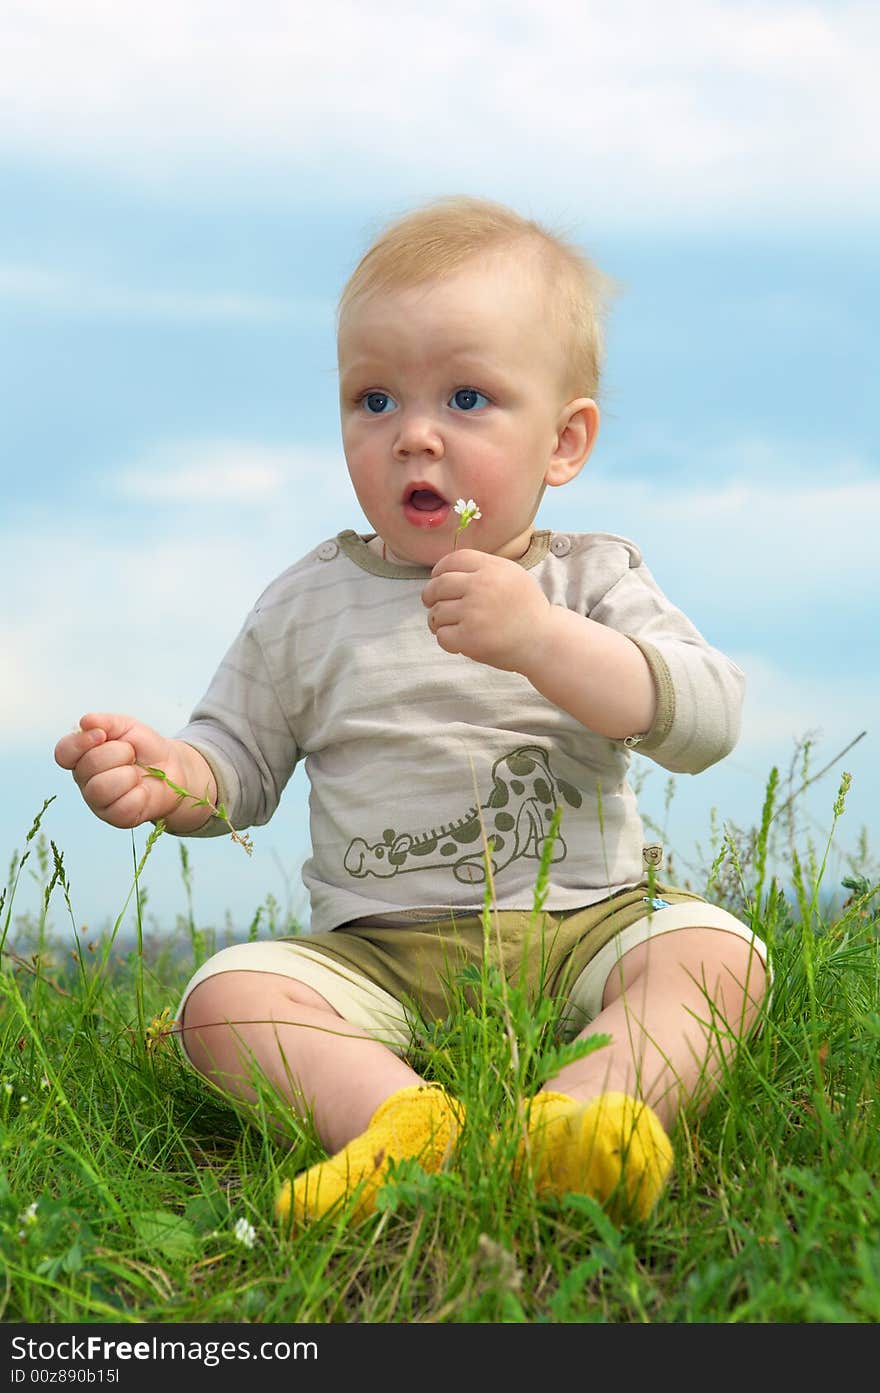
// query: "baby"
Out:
[448,691]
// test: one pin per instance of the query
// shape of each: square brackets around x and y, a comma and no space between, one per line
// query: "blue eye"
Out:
[378,403]
[468,399]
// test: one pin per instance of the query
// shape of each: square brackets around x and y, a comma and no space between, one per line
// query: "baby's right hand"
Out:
[104,755]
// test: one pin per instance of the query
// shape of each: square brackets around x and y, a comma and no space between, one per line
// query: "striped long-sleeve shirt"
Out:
[417,759]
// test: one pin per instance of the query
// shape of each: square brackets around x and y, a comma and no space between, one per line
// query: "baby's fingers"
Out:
[112,754]
[445,587]
[118,796]
[71,748]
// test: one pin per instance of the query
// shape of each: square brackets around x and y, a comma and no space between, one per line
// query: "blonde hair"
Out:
[434,240]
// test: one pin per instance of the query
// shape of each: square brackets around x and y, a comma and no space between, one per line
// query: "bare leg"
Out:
[369,1107]
[676,1009]
[312,1056]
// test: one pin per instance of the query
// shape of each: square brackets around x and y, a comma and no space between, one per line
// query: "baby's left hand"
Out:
[487,608]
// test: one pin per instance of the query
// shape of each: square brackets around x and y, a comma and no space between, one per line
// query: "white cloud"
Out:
[836,715]
[81,295]
[134,614]
[801,555]
[113,623]
[750,459]
[138,630]
[695,107]
[223,472]
[781,707]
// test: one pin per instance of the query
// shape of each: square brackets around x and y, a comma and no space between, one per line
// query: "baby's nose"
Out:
[418,434]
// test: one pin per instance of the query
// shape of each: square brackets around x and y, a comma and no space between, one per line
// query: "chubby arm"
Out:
[108,757]
[491,610]
[594,673]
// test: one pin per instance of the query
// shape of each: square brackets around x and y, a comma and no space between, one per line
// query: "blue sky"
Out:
[186,186]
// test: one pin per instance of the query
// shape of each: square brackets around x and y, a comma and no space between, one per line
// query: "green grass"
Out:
[122,1179]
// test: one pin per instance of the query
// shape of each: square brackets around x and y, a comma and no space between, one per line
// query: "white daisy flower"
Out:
[245,1233]
[467,511]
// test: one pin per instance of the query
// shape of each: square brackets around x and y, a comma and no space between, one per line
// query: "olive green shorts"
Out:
[377,978]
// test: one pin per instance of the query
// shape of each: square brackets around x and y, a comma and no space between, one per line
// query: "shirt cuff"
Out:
[665,691]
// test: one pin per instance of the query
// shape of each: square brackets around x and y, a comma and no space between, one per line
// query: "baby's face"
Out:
[452,389]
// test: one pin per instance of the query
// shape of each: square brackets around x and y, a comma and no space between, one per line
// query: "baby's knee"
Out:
[727,970]
[221,1012]
[695,965]
[221,998]
[206,1019]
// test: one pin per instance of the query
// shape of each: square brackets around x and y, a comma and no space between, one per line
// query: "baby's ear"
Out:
[576,435]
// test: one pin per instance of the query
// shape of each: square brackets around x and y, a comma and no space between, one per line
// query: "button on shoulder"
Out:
[327,550]
[560,545]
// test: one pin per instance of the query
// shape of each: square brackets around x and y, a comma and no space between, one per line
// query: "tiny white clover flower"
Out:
[7,1089]
[29,1217]
[44,1082]
[245,1233]
[467,511]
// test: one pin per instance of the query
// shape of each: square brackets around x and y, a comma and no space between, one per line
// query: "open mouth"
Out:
[425,507]
[426,500]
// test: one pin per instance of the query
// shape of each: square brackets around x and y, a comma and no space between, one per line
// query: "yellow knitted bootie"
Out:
[421,1121]
[612,1148]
